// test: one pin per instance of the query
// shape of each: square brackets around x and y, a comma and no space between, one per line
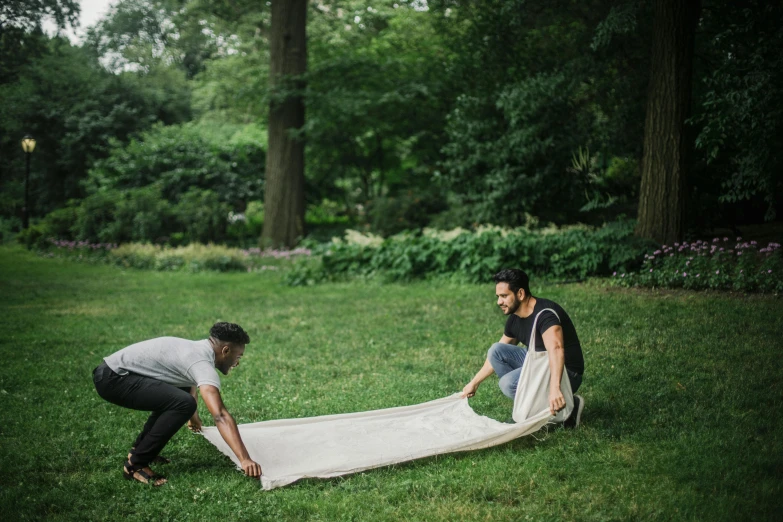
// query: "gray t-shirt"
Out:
[175,361]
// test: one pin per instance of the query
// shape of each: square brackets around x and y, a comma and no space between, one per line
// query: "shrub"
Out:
[246,227]
[407,211]
[180,157]
[202,215]
[194,257]
[142,215]
[572,252]
[112,216]
[8,225]
[721,264]
[95,217]
[34,236]
[61,222]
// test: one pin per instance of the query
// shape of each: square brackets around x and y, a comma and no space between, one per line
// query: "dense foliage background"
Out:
[439,113]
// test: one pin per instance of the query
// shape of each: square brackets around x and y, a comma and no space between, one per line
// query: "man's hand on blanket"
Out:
[251,468]
[194,424]
[556,401]
[469,390]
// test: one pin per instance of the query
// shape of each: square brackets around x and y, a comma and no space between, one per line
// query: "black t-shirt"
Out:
[520,328]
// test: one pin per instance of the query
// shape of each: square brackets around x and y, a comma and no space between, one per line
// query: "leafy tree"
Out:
[27,14]
[73,108]
[739,111]
[142,35]
[181,158]
[376,98]
[530,95]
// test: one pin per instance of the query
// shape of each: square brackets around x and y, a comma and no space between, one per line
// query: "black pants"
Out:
[171,407]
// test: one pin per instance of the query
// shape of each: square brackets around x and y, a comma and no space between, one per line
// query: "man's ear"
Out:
[521,294]
[226,348]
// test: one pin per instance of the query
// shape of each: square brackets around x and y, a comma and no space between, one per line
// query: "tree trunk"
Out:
[284,206]
[662,192]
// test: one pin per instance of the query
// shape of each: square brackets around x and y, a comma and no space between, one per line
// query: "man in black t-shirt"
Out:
[555,333]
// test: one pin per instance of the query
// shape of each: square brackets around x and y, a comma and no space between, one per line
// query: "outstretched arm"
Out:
[228,429]
[553,340]
[470,389]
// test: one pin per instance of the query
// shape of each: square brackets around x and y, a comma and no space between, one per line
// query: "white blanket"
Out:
[333,445]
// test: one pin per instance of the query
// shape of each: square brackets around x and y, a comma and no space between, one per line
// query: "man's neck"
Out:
[526,308]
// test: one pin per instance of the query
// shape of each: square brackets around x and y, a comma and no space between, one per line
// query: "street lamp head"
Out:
[28,144]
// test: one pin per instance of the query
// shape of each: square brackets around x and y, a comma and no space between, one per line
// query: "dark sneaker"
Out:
[576,414]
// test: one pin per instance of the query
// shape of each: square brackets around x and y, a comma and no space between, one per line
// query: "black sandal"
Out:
[129,472]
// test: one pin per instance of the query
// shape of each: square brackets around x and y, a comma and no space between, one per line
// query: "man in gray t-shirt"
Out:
[161,375]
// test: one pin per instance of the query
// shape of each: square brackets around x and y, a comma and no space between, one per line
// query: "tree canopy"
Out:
[441,113]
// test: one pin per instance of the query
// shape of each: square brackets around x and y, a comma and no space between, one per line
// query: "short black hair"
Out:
[515,278]
[229,333]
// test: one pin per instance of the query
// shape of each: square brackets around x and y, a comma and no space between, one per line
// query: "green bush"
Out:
[194,257]
[721,264]
[143,215]
[245,228]
[113,216]
[95,217]
[407,211]
[551,253]
[203,216]
[35,236]
[8,226]
[61,222]
[182,157]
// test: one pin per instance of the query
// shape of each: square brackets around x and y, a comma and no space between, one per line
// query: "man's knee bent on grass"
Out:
[161,376]
[555,332]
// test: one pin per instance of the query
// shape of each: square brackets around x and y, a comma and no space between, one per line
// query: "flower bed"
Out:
[720,264]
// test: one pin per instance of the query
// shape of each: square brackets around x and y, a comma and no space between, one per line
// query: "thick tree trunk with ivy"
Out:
[284,188]
[662,192]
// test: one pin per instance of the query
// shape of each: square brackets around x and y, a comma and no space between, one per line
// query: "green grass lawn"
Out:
[682,420]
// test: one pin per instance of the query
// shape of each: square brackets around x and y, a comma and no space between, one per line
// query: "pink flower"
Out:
[697,275]
[684,274]
[614,274]
[687,263]
[769,271]
[717,272]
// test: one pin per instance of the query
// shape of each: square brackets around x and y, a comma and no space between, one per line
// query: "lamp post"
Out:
[28,145]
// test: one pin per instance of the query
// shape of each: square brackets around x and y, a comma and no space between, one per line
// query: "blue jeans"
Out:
[507,361]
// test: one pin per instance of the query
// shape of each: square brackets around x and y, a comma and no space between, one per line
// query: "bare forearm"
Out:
[483,373]
[556,364]
[228,430]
